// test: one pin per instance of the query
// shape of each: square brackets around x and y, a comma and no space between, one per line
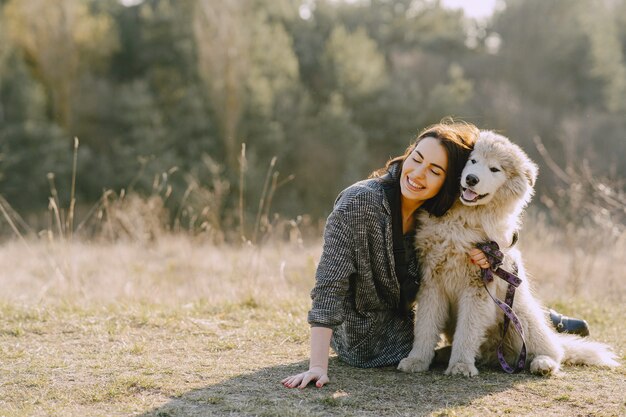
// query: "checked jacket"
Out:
[357,292]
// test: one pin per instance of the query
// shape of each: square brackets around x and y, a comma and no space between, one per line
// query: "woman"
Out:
[368,274]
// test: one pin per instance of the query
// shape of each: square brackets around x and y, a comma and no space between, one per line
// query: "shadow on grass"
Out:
[352,392]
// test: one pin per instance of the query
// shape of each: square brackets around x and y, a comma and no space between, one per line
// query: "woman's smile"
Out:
[415,186]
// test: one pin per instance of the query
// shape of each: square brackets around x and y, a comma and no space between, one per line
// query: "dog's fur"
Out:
[452,299]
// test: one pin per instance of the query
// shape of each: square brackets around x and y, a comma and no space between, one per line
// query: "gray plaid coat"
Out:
[357,293]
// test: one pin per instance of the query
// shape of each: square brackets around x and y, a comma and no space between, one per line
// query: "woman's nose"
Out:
[419,171]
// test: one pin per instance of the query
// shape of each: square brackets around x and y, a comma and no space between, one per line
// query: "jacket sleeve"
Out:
[332,278]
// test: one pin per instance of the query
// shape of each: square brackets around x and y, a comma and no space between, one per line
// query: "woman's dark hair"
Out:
[458,140]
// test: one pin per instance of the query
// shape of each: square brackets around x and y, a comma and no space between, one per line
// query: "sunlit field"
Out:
[177,269]
[178,326]
[166,168]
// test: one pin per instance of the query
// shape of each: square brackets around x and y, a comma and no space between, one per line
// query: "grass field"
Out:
[182,328]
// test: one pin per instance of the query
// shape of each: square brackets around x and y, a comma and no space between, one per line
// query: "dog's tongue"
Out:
[469,195]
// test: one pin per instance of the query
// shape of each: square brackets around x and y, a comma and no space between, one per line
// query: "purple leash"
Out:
[495,258]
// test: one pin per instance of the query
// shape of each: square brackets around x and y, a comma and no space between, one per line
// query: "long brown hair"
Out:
[458,140]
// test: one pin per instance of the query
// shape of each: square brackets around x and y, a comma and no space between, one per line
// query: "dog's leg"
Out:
[541,341]
[430,318]
[476,314]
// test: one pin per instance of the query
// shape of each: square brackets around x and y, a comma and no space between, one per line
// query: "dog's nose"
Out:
[471,180]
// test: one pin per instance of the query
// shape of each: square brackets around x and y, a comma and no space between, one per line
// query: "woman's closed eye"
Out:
[434,171]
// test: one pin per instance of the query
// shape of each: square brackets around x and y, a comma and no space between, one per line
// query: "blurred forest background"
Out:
[157,266]
[163,93]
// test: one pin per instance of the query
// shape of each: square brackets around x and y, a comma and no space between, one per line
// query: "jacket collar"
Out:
[390,184]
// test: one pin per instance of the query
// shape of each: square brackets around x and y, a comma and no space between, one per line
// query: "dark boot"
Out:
[564,324]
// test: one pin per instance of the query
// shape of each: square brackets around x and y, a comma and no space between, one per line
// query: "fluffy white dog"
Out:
[497,184]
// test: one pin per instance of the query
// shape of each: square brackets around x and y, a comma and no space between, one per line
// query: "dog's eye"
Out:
[494,170]
[473,161]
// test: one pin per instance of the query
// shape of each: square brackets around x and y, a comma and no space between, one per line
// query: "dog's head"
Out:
[498,171]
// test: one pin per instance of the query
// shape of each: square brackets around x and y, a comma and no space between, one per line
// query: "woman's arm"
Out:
[332,280]
[318,365]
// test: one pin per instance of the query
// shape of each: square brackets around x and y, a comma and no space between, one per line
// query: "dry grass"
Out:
[182,328]
[173,270]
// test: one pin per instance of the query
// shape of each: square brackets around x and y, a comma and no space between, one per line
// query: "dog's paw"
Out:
[544,365]
[411,365]
[460,368]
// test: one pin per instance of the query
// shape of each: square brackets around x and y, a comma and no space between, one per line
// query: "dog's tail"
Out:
[579,351]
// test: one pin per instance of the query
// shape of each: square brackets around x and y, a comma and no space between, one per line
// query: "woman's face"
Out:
[424,170]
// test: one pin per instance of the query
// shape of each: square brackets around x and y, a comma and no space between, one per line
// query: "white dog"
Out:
[497,183]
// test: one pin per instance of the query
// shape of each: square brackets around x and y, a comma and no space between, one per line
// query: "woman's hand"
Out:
[477,257]
[318,366]
[315,373]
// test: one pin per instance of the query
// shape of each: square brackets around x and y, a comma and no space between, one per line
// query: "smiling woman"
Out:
[422,176]
[368,275]
[447,146]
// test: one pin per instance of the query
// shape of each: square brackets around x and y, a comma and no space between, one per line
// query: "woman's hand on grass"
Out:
[316,373]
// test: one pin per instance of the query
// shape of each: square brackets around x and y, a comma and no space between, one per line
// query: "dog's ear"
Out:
[530,172]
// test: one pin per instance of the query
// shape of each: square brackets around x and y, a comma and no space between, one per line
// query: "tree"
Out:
[354,63]
[404,26]
[60,39]
[606,52]
[30,145]
[223,41]
[4,53]
[246,61]
[159,51]
[557,75]
[451,95]
[328,153]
